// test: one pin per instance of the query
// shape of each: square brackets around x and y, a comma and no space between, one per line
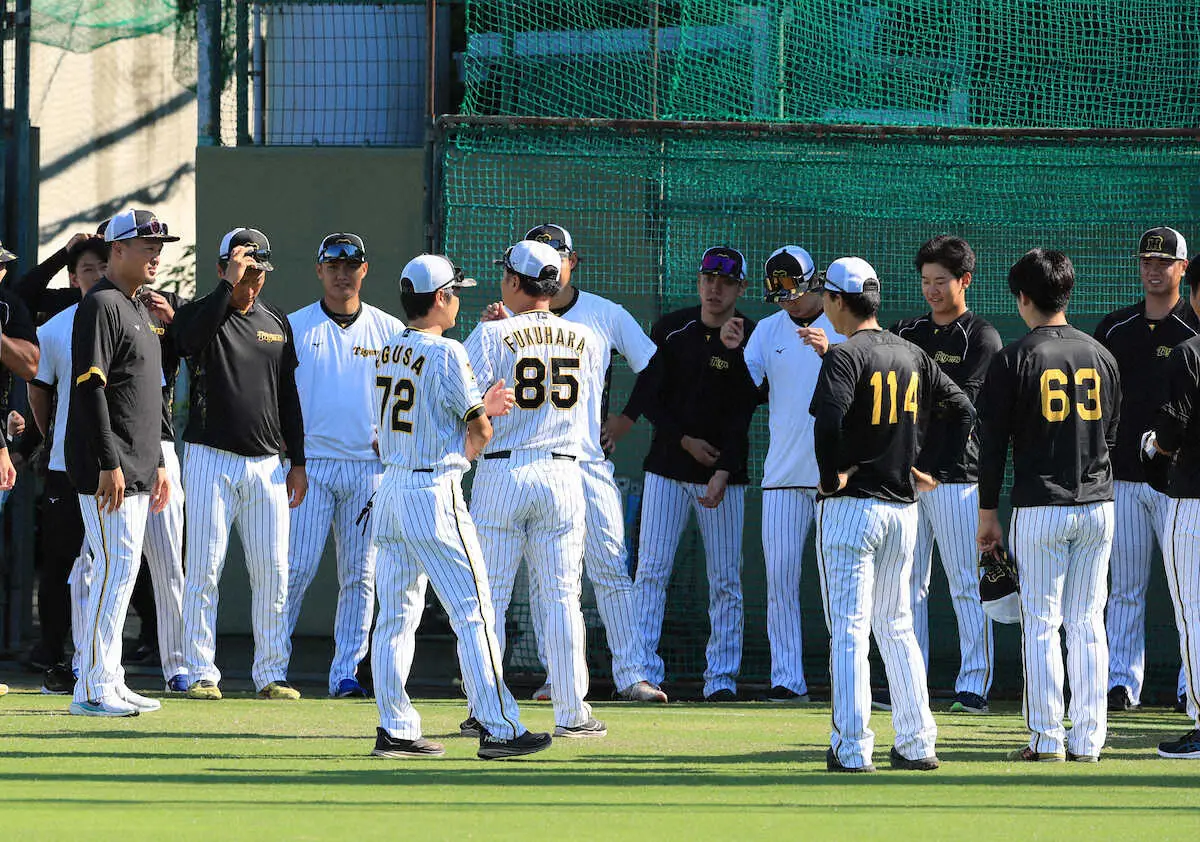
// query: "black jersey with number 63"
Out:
[1055,394]
[874,395]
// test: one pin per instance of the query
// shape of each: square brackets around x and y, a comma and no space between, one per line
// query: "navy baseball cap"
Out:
[848,276]
[724,260]
[1163,242]
[257,240]
[789,271]
[134,224]
[430,272]
[342,247]
[555,236]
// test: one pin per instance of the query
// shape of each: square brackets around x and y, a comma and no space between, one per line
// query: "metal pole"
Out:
[241,39]
[208,72]
[260,78]
[433,146]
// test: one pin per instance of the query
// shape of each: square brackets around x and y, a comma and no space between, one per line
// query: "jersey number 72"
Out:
[405,394]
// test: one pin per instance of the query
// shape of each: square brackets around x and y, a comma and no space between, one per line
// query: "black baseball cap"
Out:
[789,271]
[261,246]
[1163,242]
[342,246]
[137,224]
[555,236]
[724,260]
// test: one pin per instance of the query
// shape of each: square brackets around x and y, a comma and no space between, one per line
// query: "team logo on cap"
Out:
[1154,243]
[543,237]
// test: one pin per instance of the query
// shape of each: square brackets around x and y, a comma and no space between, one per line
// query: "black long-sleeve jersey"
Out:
[243,385]
[1141,347]
[116,367]
[963,349]
[874,394]
[15,323]
[695,386]
[170,363]
[1177,424]
[1055,394]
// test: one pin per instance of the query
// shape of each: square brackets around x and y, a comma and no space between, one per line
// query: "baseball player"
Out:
[604,555]
[1174,432]
[874,394]
[113,454]
[420,521]
[1140,337]
[338,339]
[1055,396]
[527,498]
[962,344]
[244,411]
[699,397]
[784,354]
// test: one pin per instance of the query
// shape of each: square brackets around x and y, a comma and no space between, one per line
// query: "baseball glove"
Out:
[999,586]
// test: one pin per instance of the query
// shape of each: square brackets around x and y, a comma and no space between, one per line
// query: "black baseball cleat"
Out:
[144,655]
[494,748]
[924,764]
[782,695]
[470,727]
[1181,703]
[59,680]
[1186,747]
[388,746]
[832,764]
[721,696]
[1120,700]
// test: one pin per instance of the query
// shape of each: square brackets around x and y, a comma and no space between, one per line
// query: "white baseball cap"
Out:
[789,271]
[849,276]
[131,224]
[259,245]
[427,273]
[533,260]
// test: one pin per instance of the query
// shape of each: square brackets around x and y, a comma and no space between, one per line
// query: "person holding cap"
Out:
[700,399]
[243,417]
[434,422]
[1140,337]
[112,447]
[338,341]
[783,357]
[527,499]
[873,397]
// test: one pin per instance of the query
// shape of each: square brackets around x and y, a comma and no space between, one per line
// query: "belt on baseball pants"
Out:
[504,454]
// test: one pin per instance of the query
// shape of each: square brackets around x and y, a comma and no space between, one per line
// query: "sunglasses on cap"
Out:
[782,285]
[342,251]
[721,264]
[153,228]
[556,243]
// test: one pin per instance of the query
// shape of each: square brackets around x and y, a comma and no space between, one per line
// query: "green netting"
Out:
[1101,63]
[84,25]
[643,207]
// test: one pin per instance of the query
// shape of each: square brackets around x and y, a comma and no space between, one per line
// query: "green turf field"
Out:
[246,769]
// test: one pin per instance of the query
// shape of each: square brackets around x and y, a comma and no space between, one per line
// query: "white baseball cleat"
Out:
[543,693]
[142,703]
[110,706]
[643,691]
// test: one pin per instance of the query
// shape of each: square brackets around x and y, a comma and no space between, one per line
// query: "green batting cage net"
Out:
[653,130]
[84,25]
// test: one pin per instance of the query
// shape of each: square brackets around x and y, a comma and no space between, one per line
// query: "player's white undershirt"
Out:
[54,371]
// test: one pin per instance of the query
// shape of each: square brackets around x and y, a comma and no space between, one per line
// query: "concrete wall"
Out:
[296,196]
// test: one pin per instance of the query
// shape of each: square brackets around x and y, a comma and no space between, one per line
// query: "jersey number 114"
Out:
[910,397]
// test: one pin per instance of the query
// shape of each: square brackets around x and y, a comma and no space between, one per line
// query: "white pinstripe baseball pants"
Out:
[1138,513]
[425,534]
[666,504]
[864,555]
[531,505]
[1062,563]
[163,550]
[605,561]
[338,489]
[948,514]
[117,540]
[787,516]
[1181,554]
[164,556]
[224,488]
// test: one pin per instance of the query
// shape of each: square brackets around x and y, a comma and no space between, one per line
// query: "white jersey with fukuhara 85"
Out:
[546,361]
